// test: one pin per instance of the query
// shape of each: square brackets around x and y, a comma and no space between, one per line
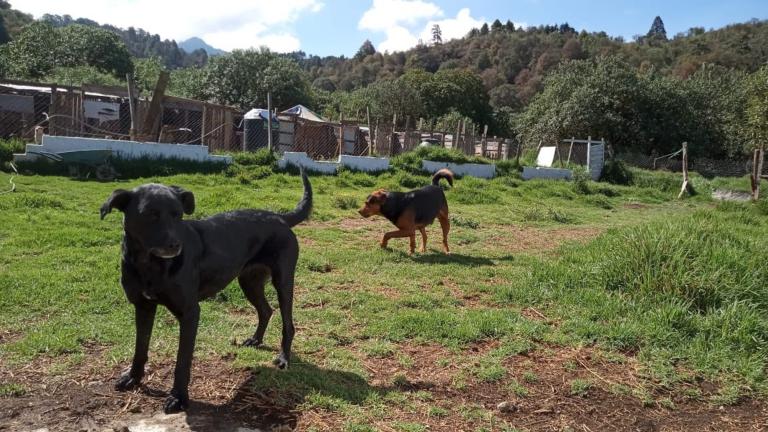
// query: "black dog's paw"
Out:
[281,362]
[127,382]
[252,342]
[174,404]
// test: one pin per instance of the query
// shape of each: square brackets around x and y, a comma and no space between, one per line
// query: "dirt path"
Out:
[226,399]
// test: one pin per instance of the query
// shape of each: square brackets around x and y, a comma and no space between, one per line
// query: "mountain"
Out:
[195,43]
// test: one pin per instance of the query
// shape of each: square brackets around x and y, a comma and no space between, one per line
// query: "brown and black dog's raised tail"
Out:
[444,173]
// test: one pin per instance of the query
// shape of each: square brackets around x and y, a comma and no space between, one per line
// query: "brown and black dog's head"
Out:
[373,203]
[153,216]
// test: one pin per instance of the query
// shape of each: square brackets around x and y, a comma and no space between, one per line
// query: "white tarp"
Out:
[305,113]
[546,156]
[103,111]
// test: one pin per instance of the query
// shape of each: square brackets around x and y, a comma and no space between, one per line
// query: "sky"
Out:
[339,27]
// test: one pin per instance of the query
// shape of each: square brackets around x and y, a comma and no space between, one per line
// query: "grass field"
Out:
[583,305]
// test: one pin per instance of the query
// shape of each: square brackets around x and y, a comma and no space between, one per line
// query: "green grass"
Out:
[681,286]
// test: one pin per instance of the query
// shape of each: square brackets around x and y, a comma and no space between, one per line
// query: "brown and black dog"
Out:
[412,210]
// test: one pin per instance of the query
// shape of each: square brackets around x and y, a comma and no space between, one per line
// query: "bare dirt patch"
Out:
[434,383]
[525,239]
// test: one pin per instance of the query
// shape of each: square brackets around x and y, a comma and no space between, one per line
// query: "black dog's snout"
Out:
[174,244]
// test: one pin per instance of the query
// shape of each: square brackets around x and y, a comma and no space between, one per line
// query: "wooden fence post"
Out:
[370,131]
[132,104]
[570,150]
[341,134]
[151,125]
[684,189]
[757,171]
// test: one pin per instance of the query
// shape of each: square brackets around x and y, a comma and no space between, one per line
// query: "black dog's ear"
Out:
[187,199]
[119,200]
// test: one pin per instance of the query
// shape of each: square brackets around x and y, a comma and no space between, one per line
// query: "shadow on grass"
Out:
[271,397]
[454,258]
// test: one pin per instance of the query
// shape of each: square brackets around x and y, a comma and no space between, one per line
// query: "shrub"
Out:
[411,161]
[581,180]
[260,157]
[8,148]
[616,172]
[344,202]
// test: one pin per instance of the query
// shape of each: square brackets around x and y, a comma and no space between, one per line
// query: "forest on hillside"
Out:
[707,87]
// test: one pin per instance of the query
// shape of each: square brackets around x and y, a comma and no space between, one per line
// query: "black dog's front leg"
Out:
[145,318]
[179,398]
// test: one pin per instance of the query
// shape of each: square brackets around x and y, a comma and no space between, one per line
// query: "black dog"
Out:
[413,210]
[177,263]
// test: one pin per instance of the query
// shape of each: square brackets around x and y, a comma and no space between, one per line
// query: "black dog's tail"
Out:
[444,173]
[304,207]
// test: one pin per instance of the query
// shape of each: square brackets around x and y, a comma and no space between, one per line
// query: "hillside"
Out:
[503,55]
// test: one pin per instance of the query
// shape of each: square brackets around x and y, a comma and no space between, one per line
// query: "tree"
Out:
[244,77]
[484,29]
[496,26]
[79,75]
[582,98]
[33,53]
[509,26]
[146,72]
[757,108]
[365,50]
[657,31]
[4,36]
[84,45]
[504,95]
[484,61]
[437,35]
[324,83]
[189,83]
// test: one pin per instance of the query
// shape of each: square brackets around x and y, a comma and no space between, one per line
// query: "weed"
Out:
[580,387]
[344,202]
[12,390]
[465,222]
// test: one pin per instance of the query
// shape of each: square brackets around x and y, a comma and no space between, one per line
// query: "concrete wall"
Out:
[359,163]
[123,149]
[364,163]
[546,173]
[300,159]
[485,171]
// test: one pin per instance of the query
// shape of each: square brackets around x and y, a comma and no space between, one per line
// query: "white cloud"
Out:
[453,28]
[405,22]
[225,24]
[386,14]
[398,39]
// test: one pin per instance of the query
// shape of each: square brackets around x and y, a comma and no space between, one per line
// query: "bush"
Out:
[344,202]
[411,161]
[507,168]
[581,180]
[616,172]
[260,157]
[8,148]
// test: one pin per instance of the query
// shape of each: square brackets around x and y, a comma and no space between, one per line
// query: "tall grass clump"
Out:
[8,148]
[411,161]
[689,292]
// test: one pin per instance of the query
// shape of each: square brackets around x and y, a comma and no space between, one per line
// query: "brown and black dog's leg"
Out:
[445,224]
[399,234]
[423,239]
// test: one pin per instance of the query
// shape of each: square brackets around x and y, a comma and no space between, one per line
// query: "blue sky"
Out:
[335,27]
